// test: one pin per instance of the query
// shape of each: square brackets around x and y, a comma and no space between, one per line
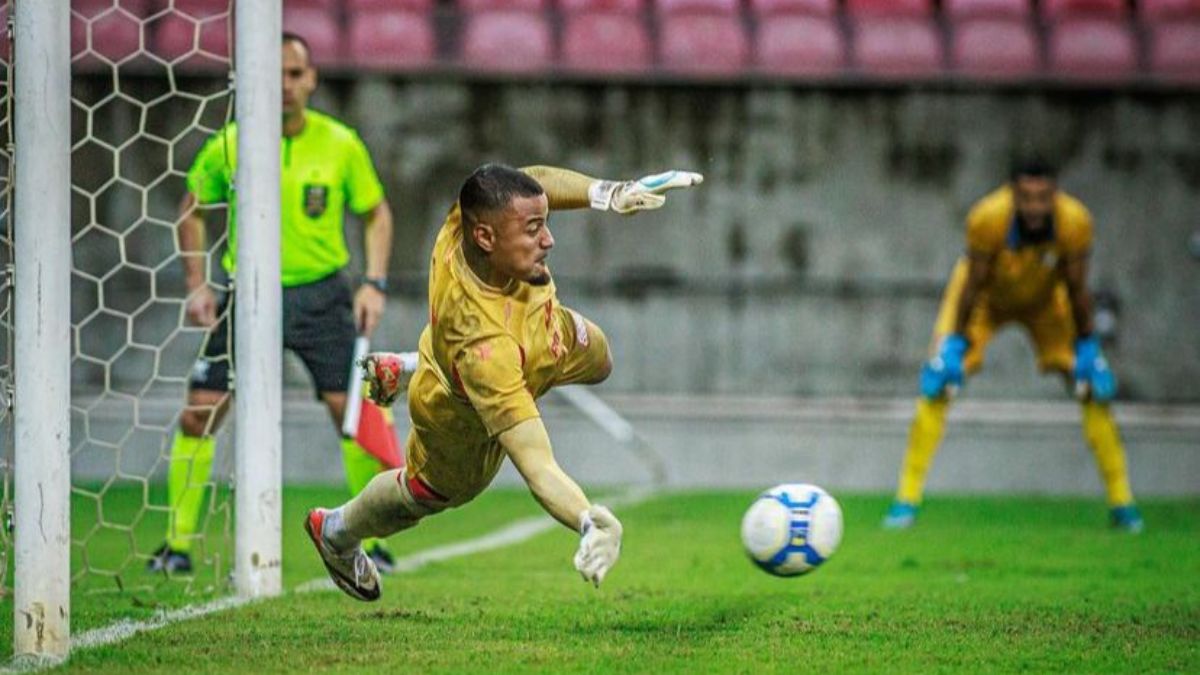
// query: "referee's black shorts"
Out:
[318,326]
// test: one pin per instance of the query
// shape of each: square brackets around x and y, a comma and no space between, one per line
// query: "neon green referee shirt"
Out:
[325,169]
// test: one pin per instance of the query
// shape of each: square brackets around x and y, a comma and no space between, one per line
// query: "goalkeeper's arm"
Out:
[528,445]
[566,189]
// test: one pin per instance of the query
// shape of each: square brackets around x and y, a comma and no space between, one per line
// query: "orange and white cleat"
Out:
[387,374]
[352,571]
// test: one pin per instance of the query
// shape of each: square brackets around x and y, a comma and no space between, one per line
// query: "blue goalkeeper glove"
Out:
[1092,375]
[943,373]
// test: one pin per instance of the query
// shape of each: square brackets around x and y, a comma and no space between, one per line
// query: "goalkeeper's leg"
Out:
[1100,431]
[924,438]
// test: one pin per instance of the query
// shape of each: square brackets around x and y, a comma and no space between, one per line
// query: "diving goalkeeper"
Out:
[497,339]
[1026,263]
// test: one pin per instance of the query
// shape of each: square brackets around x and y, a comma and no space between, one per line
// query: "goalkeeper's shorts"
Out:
[318,326]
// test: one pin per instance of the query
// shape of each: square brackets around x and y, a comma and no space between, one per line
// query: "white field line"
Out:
[514,533]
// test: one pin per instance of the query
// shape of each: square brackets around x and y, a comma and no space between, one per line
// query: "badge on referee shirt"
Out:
[316,198]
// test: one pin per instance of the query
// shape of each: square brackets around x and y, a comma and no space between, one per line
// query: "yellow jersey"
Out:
[486,355]
[1025,275]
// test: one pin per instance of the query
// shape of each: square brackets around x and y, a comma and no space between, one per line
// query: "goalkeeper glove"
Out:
[943,374]
[641,194]
[599,543]
[1092,375]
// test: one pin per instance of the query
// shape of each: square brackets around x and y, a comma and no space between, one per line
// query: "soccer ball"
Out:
[792,528]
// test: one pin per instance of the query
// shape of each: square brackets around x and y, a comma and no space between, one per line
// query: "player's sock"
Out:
[372,513]
[187,475]
[924,436]
[1100,431]
[360,467]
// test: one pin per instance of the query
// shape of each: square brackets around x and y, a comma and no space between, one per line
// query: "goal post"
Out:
[258,475]
[42,325]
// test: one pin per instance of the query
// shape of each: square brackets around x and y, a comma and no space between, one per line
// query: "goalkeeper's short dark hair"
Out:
[492,187]
[1031,167]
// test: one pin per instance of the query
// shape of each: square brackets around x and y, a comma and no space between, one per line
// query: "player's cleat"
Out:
[352,571]
[900,516]
[383,559]
[387,375]
[1127,518]
[169,561]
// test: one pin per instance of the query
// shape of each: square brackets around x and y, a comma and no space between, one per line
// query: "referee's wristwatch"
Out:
[378,283]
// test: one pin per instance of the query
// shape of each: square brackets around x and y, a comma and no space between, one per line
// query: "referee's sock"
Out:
[187,476]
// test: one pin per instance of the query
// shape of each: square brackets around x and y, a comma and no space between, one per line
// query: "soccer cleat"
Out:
[387,375]
[900,516]
[352,571]
[169,561]
[383,559]
[1127,518]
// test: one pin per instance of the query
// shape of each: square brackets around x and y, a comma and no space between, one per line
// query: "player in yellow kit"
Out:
[497,339]
[1026,263]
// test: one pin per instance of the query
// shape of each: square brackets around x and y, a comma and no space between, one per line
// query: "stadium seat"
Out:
[391,39]
[614,6]
[320,29]
[193,27]
[389,5]
[889,7]
[503,5]
[800,45]
[115,30]
[326,5]
[1058,9]
[994,48]
[1091,49]
[772,8]
[1153,11]
[974,9]
[1174,51]
[895,47]
[703,43]
[602,41]
[697,6]
[509,41]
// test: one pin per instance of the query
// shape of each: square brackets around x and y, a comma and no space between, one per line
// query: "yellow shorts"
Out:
[1050,326]
[448,447]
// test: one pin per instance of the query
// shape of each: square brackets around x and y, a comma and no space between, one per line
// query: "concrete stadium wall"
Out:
[811,261]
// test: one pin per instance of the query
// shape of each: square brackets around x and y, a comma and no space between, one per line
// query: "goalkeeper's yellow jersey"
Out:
[1025,275]
[487,354]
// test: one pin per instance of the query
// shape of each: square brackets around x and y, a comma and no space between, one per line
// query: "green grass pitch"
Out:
[995,584]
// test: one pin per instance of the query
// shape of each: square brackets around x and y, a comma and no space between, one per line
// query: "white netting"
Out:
[6,301]
[150,83]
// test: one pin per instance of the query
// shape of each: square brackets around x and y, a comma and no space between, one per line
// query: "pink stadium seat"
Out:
[703,43]
[389,5]
[889,7]
[1056,9]
[894,47]
[972,9]
[511,41]
[800,45]
[698,6]
[115,30]
[320,29]
[327,5]
[772,8]
[391,39]
[606,42]
[195,36]
[503,5]
[1161,10]
[1175,51]
[995,48]
[1091,49]
[622,6]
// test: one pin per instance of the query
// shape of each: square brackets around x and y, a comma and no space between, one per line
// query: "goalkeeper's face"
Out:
[518,240]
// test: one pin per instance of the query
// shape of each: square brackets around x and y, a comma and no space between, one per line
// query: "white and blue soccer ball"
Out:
[792,529]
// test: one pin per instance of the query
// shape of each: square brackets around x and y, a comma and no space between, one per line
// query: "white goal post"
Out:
[42,319]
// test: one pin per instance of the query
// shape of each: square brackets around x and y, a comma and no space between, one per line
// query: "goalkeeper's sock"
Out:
[360,467]
[187,475]
[924,436]
[377,511]
[1100,431]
